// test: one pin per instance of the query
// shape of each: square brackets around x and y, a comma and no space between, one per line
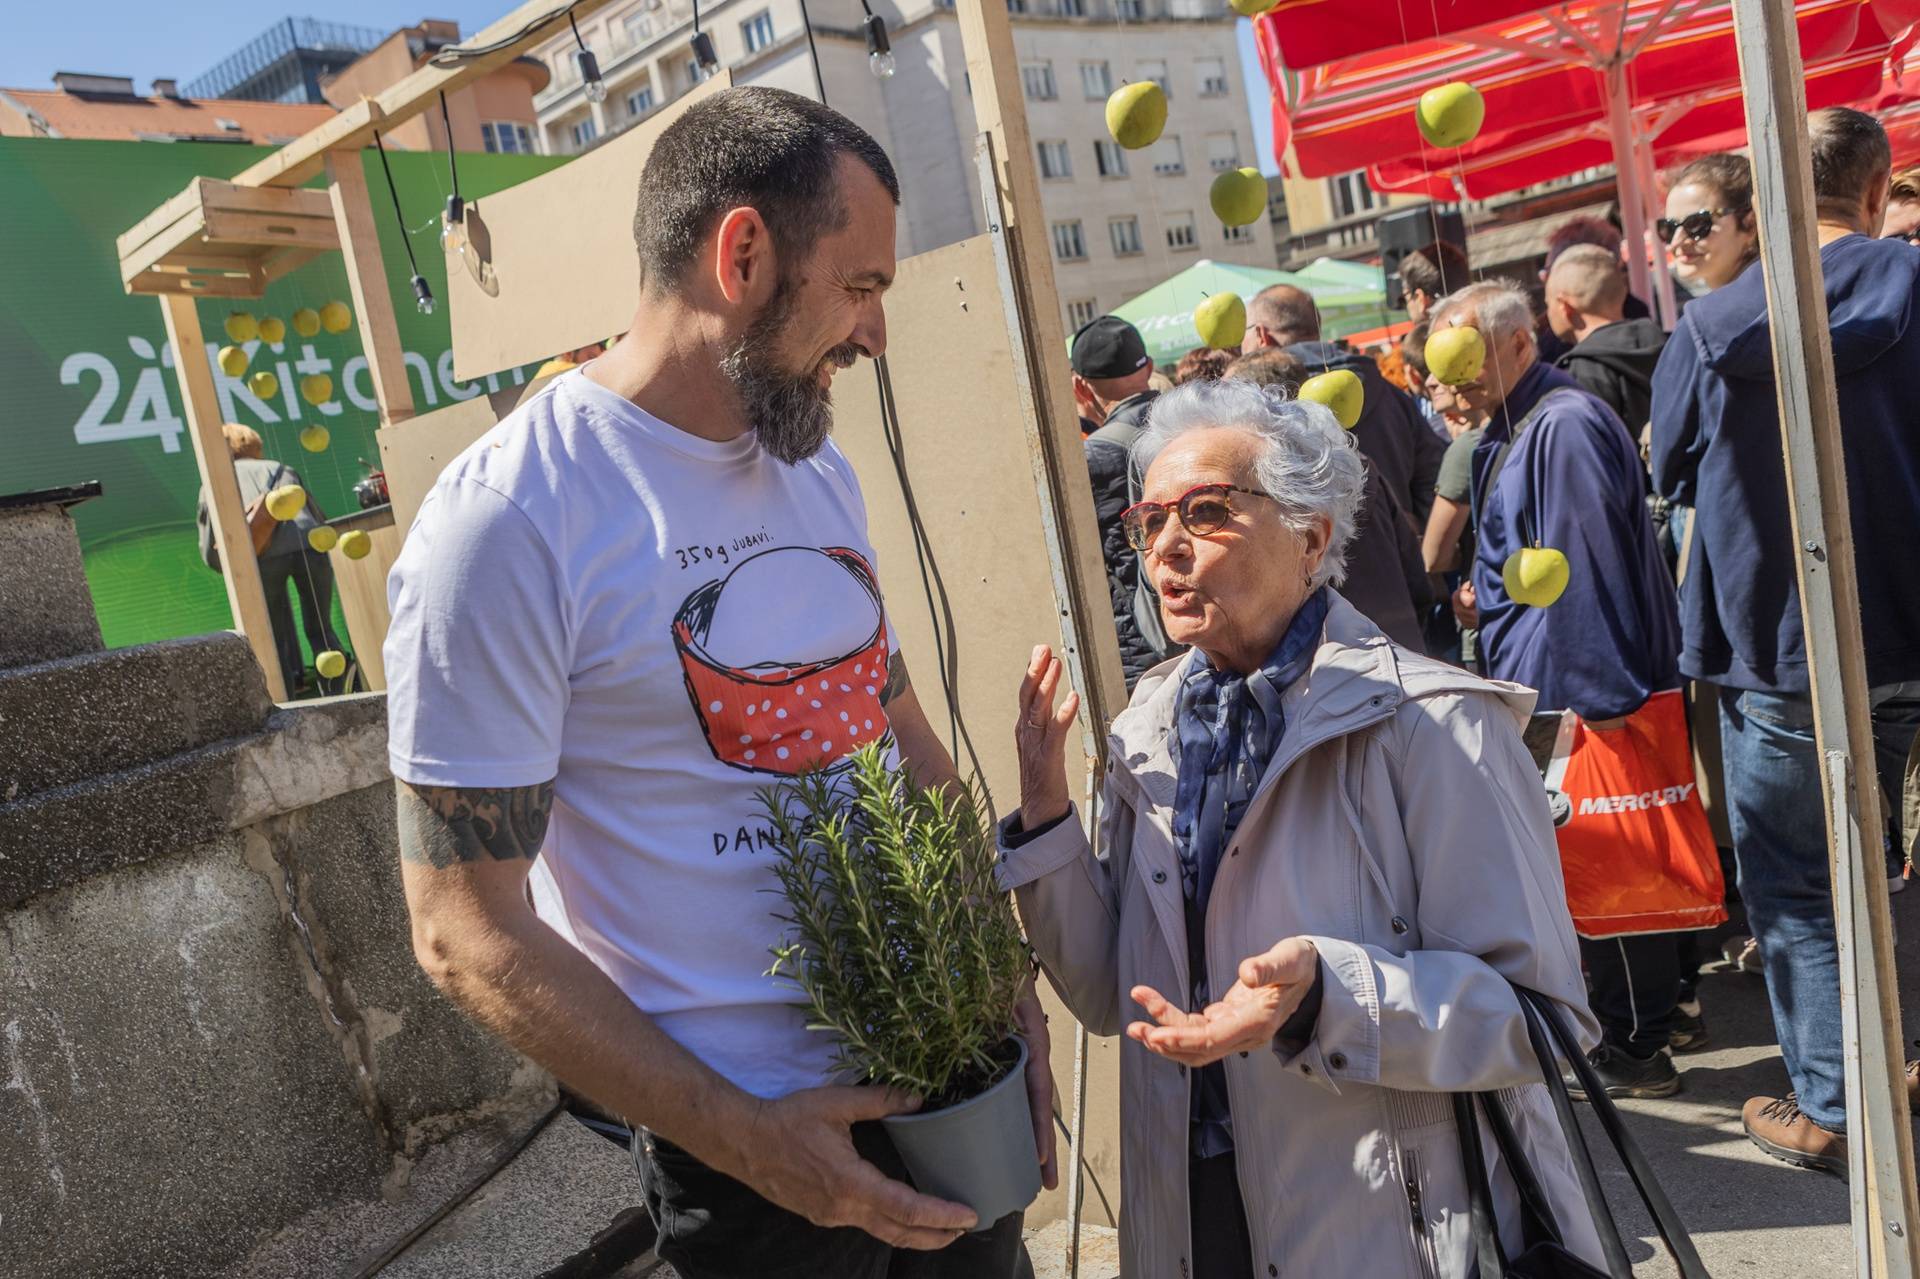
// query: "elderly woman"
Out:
[1324,858]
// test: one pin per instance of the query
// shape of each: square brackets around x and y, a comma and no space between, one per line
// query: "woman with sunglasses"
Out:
[1324,859]
[1709,229]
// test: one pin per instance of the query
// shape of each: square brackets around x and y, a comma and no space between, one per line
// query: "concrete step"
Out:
[73,718]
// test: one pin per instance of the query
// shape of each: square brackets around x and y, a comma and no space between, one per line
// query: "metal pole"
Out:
[1662,278]
[1633,214]
[1880,1148]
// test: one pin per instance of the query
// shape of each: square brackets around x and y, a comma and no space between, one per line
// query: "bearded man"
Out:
[602,619]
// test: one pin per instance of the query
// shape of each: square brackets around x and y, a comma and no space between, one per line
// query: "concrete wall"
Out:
[212,1026]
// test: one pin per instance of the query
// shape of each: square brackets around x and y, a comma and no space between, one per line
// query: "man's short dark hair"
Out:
[1271,367]
[762,148]
[1435,269]
[1850,153]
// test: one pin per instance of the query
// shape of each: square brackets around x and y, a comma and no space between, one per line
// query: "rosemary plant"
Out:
[901,941]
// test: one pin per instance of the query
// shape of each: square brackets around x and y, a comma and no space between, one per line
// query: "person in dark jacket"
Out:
[1716,445]
[1557,468]
[1110,374]
[1609,354]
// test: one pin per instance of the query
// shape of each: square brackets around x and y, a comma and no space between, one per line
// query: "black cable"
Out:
[394,191]
[453,165]
[696,17]
[576,28]
[454,55]
[806,21]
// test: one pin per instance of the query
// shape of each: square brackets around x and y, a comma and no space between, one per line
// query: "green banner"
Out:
[88,376]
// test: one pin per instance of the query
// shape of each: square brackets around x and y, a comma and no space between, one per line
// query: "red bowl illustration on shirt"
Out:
[785,658]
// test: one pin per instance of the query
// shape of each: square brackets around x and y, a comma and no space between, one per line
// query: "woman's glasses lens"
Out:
[1143,527]
[1697,226]
[1205,513]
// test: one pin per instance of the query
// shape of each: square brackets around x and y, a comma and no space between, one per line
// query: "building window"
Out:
[1069,245]
[639,102]
[1016,6]
[1073,8]
[1125,234]
[1055,160]
[1223,151]
[1154,69]
[506,138]
[1181,232]
[583,132]
[757,31]
[638,27]
[1167,156]
[693,72]
[1110,158]
[1038,79]
[1081,313]
[1351,195]
[1096,81]
[1212,75]
[1237,234]
[1129,10]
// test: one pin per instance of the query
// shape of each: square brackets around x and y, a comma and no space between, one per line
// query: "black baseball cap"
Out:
[1108,347]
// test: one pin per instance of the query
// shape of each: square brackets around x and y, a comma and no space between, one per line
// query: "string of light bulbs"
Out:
[422,291]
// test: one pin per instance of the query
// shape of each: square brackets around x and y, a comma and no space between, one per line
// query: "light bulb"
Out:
[596,88]
[703,53]
[422,295]
[453,226]
[881,64]
[879,48]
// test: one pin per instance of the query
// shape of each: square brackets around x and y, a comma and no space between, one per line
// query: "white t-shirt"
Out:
[666,625]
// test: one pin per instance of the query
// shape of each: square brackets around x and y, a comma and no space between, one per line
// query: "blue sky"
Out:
[183,39]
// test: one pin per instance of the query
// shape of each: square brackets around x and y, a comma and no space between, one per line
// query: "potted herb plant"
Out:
[908,952]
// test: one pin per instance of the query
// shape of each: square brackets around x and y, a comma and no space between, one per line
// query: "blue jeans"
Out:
[1776,811]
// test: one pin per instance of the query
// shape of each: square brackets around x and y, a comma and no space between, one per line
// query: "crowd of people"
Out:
[1652,461]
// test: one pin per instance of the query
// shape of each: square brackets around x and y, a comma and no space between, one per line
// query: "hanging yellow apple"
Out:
[355,544]
[232,360]
[1238,197]
[306,321]
[314,439]
[316,388]
[1535,576]
[264,385]
[241,327]
[1341,391]
[331,664]
[273,330]
[1450,115]
[1136,113]
[335,317]
[286,501]
[1456,354]
[321,538]
[1221,321]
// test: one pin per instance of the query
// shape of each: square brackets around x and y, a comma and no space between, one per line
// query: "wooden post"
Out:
[245,598]
[367,277]
[994,71]
[1885,1210]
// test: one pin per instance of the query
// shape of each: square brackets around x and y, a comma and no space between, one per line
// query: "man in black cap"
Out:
[1110,372]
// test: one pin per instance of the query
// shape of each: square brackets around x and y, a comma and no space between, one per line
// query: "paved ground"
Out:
[1750,1215]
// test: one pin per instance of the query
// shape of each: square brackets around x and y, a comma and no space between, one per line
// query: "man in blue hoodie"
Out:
[1716,447]
[1556,468]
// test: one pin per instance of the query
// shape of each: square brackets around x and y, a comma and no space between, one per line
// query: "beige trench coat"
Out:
[1402,827]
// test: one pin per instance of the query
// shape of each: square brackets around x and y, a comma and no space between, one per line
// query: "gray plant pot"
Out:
[979,1153]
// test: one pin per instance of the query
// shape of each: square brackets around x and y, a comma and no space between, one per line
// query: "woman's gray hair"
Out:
[1307,463]
[1500,309]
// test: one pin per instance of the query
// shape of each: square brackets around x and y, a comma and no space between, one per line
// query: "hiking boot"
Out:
[1690,1031]
[1625,1075]
[1743,954]
[1778,1126]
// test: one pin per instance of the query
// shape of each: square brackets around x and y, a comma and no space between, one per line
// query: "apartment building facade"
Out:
[1119,222]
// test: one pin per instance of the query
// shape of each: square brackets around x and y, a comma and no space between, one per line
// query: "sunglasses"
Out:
[1696,226]
[1203,510]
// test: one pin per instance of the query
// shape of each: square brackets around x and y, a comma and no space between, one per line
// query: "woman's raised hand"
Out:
[1040,735]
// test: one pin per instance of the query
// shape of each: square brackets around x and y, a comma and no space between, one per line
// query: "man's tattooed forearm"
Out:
[441,825]
[896,677]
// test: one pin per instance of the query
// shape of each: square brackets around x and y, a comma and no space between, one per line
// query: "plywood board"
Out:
[362,587]
[414,452]
[552,265]
[967,463]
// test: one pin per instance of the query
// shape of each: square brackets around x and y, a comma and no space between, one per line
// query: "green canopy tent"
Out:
[1164,313]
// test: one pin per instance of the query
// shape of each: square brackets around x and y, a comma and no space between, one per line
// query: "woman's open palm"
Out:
[1040,737]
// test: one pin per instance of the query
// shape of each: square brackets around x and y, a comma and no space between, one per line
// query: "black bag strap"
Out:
[1603,1223]
[1541,1223]
[1492,1258]
[1672,1231]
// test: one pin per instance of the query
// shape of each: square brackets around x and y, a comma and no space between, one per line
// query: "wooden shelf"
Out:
[219,239]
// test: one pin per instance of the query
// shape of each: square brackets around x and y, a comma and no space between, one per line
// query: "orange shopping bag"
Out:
[1636,849]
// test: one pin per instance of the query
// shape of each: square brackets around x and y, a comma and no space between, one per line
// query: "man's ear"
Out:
[1083,394]
[743,262]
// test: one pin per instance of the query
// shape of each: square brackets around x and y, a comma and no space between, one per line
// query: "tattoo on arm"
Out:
[442,825]
[896,677]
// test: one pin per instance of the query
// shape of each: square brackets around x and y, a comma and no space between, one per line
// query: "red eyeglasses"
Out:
[1203,509]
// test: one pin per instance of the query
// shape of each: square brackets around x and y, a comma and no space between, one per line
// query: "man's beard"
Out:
[791,413]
